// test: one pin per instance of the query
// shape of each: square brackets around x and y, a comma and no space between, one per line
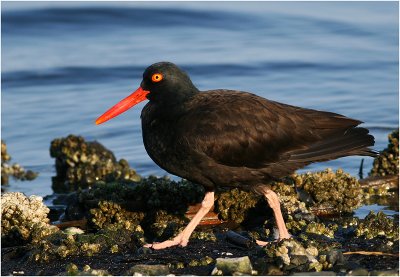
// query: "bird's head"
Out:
[163,83]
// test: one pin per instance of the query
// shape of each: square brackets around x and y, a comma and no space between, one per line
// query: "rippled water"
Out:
[65,63]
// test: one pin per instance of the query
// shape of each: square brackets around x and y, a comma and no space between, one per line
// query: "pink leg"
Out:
[183,238]
[273,202]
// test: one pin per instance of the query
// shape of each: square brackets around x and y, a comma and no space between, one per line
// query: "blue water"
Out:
[65,63]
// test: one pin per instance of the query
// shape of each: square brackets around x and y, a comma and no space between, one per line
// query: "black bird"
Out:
[233,138]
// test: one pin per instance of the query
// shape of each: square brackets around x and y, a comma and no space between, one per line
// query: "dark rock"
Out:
[233,266]
[148,270]
[335,256]
[298,260]
[273,270]
[144,250]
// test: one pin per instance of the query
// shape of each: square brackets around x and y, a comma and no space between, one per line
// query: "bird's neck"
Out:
[176,99]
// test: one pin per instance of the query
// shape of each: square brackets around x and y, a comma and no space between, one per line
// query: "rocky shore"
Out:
[109,212]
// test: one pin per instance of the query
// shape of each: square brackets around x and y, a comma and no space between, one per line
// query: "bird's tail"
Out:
[342,143]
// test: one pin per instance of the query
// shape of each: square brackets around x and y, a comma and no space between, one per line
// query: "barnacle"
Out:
[23,219]
[80,164]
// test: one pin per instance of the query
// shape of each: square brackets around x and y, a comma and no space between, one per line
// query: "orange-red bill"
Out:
[135,98]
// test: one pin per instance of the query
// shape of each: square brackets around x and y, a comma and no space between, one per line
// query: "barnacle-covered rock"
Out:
[120,202]
[148,270]
[335,191]
[162,225]
[112,214]
[387,163]
[234,204]
[291,255]
[73,270]
[330,258]
[289,198]
[295,211]
[157,204]
[79,164]
[61,245]
[14,170]
[378,224]
[202,262]
[23,219]
[320,229]
[207,235]
[233,266]
[165,194]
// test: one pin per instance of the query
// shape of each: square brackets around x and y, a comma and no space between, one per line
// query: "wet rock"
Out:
[202,262]
[320,229]
[147,270]
[163,225]
[295,211]
[290,199]
[330,258]
[73,231]
[378,225]
[14,170]
[156,204]
[387,163]
[73,270]
[233,266]
[150,194]
[204,235]
[144,250]
[60,245]
[272,269]
[79,164]
[23,219]
[239,240]
[384,273]
[290,255]
[358,272]
[321,273]
[165,194]
[379,189]
[335,192]
[334,256]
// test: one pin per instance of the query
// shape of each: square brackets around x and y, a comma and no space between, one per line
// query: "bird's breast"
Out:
[159,138]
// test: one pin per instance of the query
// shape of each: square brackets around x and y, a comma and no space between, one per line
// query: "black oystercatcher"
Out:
[232,138]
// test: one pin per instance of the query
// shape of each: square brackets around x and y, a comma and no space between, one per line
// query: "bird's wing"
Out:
[243,130]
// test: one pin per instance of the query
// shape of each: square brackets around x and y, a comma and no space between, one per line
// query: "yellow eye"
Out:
[157,77]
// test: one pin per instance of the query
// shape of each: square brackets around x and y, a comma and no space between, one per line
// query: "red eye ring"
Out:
[157,77]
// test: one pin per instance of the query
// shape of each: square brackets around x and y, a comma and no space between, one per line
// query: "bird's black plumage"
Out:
[234,138]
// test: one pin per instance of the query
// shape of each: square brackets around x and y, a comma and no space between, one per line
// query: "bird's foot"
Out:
[286,236]
[177,241]
[261,242]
